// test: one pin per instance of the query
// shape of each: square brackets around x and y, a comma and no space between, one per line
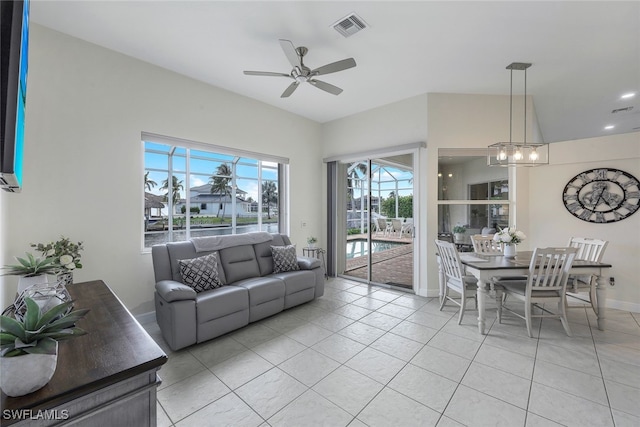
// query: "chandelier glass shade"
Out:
[515,153]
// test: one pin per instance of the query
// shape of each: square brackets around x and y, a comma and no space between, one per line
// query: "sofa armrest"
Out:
[171,290]
[308,263]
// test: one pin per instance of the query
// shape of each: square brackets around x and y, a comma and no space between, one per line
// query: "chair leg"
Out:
[444,297]
[563,317]
[502,301]
[463,303]
[498,302]
[527,317]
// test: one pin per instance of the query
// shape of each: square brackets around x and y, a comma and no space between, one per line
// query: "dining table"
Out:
[485,267]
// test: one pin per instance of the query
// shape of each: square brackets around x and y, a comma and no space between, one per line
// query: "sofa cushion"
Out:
[263,254]
[221,302]
[239,262]
[296,281]
[186,250]
[262,289]
[200,273]
[284,258]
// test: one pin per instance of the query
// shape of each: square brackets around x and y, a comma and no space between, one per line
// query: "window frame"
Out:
[279,165]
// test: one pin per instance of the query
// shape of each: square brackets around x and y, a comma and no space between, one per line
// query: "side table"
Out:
[316,253]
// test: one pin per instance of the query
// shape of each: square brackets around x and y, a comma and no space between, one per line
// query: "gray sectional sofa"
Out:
[251,290]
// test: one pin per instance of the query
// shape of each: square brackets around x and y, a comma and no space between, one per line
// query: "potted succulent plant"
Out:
[29,345]
[311,241]
[458,232]
[31,270]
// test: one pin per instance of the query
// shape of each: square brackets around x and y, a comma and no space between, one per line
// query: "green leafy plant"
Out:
[65,253]
[37,333]
[32,266]
[459,229]
[311,240]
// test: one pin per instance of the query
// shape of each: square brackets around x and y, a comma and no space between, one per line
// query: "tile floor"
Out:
[368,356]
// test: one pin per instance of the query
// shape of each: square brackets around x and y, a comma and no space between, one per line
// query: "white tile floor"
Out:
[368,356]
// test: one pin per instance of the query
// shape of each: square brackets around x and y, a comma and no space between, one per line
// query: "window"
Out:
[193,190]
[471,194]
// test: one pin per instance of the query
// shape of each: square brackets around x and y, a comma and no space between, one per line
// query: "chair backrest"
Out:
[549,268]
[588,249]
[382,224]
[450,263]
[485,245]
[396,224]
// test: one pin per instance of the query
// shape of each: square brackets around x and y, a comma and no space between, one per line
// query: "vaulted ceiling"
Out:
[585,55]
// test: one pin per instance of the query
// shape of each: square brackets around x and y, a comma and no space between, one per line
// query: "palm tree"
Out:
[269,195]
[176,186]
[149,183]
[351,177]
[220,184]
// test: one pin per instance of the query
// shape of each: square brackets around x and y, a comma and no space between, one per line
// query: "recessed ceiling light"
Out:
[608,127]
[628,95]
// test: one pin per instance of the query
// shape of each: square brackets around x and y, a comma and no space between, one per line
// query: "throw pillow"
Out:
[200,273]
[284,258]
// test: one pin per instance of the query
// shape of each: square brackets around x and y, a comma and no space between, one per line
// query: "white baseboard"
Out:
[623,305]
[145,318]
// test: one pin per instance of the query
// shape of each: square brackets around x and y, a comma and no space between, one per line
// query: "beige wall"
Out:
[86,108]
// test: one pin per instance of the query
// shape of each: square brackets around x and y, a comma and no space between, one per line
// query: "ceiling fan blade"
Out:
[335,90]
[334,67]
[290,50]
[288,91]
[265,73]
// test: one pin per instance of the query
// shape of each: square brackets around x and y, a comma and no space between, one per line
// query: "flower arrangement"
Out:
[509,236]
[311,240]
[65,253]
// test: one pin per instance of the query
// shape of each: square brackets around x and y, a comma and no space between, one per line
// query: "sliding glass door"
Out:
[378,210]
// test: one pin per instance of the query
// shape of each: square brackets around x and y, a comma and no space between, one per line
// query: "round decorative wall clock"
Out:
[602,195]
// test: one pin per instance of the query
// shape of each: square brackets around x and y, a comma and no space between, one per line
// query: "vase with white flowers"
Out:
[509,237]
[66,255]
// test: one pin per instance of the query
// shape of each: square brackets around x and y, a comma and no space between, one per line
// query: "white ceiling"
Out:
[585,55]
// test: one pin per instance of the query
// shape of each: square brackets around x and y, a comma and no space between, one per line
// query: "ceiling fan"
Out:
[301,73]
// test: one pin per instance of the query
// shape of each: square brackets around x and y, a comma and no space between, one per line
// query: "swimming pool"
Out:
[359,247]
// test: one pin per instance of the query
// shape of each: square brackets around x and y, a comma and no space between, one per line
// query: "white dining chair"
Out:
[485,245]
[546,282]
[589,250]
[454,277]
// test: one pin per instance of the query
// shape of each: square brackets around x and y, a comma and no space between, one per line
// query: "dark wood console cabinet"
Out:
[105,378]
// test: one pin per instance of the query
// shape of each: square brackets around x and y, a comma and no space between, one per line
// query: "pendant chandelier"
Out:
[518,153]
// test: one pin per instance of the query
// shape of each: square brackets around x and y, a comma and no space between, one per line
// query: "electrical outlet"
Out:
[303,224]
[612,281]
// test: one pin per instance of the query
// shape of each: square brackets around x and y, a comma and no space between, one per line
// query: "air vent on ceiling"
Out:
[349,25]
[621,110]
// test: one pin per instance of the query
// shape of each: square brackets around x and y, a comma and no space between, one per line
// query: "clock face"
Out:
[602,195]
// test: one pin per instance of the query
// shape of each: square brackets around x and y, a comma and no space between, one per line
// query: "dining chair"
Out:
[589,250]
[546,282]
[454,278]
[485,245]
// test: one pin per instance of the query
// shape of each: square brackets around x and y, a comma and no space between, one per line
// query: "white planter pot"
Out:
[25,374]
[510,251]
[25,282]
[459,237]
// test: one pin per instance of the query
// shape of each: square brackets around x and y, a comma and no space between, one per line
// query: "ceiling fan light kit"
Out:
[303,74]
[518,153]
